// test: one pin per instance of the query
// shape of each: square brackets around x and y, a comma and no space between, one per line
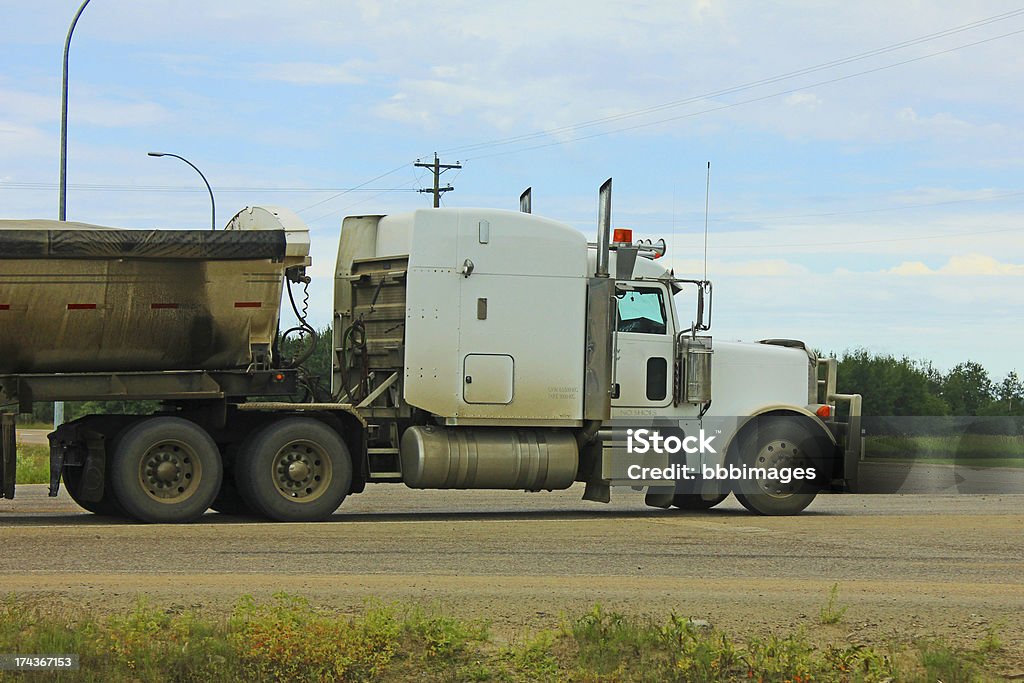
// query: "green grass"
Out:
[48,426]
[33,464]
[831,612]
[289,639]
[974,450]
[972,462]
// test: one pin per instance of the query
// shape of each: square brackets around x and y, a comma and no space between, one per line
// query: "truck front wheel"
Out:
[780,444]
[165,470]
[294,470]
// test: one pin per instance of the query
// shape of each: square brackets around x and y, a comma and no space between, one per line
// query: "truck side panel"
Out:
[507,292]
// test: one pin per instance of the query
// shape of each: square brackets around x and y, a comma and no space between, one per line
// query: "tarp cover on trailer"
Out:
[31,239]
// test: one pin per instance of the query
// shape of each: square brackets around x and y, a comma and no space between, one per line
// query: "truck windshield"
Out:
[641,310]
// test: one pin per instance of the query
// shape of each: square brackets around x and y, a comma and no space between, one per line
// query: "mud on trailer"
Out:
[472,348]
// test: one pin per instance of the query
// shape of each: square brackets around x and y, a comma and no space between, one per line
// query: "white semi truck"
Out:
[473,348]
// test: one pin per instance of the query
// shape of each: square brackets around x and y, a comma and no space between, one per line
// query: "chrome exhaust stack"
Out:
[526,200]
[604,228]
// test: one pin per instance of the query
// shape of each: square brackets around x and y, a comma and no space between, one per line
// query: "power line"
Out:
[751,100]
[726,91]
[358,186]
[901,207]
[349,206]
[952,235]
[829,214]
[97,187]
[745,86]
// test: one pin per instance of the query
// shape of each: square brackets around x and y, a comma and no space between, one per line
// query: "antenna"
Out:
[673,223]
[707,203]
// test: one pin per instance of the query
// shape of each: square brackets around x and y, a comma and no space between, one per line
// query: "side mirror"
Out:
[699,325]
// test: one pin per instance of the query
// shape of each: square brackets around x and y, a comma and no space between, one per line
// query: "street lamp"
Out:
[213,206]
[62,215]
[58,406]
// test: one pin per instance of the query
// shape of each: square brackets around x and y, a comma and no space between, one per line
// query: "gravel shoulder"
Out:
[909,566]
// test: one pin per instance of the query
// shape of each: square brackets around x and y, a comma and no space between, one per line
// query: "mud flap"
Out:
[852,455]
[8,455]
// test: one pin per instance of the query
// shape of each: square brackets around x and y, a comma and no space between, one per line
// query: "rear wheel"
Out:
[294,470]
[165,470]
[777,443]
[73,478]
[696,501]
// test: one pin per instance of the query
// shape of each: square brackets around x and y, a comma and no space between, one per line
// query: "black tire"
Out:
[229,501]
[695,501]
[106,506]
[294,470]
[165,470]
[777,442]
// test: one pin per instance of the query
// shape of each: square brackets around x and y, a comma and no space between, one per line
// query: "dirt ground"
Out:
[907,567]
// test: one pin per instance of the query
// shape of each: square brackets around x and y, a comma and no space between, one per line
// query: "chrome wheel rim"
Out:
[778,454]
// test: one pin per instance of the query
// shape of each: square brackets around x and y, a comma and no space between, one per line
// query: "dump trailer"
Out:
[472,348]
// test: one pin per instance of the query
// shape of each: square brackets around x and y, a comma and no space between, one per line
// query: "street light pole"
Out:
[58,406]
[213,206]
[64,118]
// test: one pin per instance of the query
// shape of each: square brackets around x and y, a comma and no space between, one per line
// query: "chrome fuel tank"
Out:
[436,457]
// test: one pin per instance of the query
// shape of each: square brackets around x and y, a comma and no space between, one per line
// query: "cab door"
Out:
[645,333]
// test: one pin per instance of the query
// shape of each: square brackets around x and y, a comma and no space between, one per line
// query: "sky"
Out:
[867,159]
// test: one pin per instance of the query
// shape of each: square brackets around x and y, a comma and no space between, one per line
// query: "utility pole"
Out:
[437,168]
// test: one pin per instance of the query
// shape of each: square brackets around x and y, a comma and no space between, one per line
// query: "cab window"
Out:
[641,310]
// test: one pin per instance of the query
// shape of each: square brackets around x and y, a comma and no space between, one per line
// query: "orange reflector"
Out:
[824,412]
[622,236]
[279,377]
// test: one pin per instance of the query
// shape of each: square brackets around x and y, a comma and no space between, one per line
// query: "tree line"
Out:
[901,386]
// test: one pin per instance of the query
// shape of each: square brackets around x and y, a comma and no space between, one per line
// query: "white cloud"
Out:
[88,106]
[113,114]
[746,268]
[312,73]
[803,99]
[968,265]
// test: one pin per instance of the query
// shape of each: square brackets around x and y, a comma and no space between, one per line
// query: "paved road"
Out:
[34,437]
[908,565]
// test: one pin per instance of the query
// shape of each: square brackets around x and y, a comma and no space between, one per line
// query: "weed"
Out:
[535,657]
[831,612]
[288,639]
[943,663]
[33,464]
[991,641]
